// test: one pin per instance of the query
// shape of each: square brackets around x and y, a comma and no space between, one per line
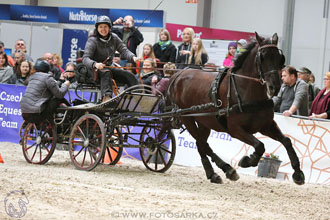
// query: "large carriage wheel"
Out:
[87,141]
[112,152]
[159,154]
[39,142]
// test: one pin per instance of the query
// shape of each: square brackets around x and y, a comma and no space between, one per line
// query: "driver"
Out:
[99,52]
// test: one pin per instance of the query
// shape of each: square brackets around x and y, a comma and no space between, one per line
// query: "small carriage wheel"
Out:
[112,152]
[22,129]
[159,155]
[87,142]
[39,142]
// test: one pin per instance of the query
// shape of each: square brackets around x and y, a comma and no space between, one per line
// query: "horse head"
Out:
[269,61]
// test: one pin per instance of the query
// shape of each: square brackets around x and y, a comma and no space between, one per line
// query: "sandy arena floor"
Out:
[129,191]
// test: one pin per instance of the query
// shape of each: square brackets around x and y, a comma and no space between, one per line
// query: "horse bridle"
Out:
[259,61]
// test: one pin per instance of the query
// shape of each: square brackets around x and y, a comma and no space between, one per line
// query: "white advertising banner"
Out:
[310,139]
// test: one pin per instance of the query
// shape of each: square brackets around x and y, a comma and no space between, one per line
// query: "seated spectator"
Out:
[11,61]
[228,62]
[293,95]
[304,74]
[20,45]
[116,59]
[164,49]
[23,72]
[169,70]
[198,55]
[58,62]
[53,69]
[6,71]
[321,104]
[149,72]
[44,88]
[70,75]
[148,52]
[19,57]
[184,48]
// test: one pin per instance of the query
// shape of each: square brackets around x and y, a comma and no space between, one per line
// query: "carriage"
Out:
[98,132]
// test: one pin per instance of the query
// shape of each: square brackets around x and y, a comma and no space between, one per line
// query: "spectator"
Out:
[164,49]
[19,57]
[198,55]
[148,73]
[99,51]
[293,95]
[169,70]
[116,59]
[70,75]
[304,73]
[58,62]
[321,104]
[6,71]
[312,78]
[53,69]
[148,52]
[23,72]
[228,62]
[11,61]
[20,45]
[130,35]
[44,88]
[240,46]
[184,48]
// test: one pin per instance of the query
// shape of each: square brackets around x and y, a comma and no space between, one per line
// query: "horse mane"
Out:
[239,60]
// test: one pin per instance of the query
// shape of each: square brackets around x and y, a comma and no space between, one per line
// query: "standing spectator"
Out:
[164,49]
[6,71]
[184,48]
[240,46]
[53,69]
[169,70]
[148,52]
[293,95]
[23,72]
[58,62]
[10,59]
[99,52]
[228,62]
[20,45]
[43,88]
[130,35]
[19,57]
[321,104]
[198,55]
[304,73]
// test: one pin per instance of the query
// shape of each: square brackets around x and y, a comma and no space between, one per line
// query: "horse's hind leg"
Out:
[201,138]
[275,133]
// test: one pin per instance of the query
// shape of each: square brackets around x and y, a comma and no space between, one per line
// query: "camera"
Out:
[123,21]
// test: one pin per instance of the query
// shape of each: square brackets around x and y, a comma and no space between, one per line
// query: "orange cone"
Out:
[1,160]
[113,156]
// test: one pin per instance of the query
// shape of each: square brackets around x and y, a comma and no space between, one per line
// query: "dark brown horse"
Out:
[243,104]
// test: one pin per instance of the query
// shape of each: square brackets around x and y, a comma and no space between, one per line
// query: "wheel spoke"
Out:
[83,162]
[82,147]
[81,132]
[35,151]
[28,148]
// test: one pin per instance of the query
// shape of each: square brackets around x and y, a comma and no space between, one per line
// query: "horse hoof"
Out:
[244,162]
[216,179]
[232,175]
[298,178]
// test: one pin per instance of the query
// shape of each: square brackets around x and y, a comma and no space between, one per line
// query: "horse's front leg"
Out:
[275,133]
[253,159]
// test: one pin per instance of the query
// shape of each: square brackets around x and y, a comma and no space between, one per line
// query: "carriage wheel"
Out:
[112,153]
[87,142]
[39,142]
[22,129]
[158,156]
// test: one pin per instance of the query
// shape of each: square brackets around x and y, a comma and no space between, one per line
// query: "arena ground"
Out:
[129,191]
